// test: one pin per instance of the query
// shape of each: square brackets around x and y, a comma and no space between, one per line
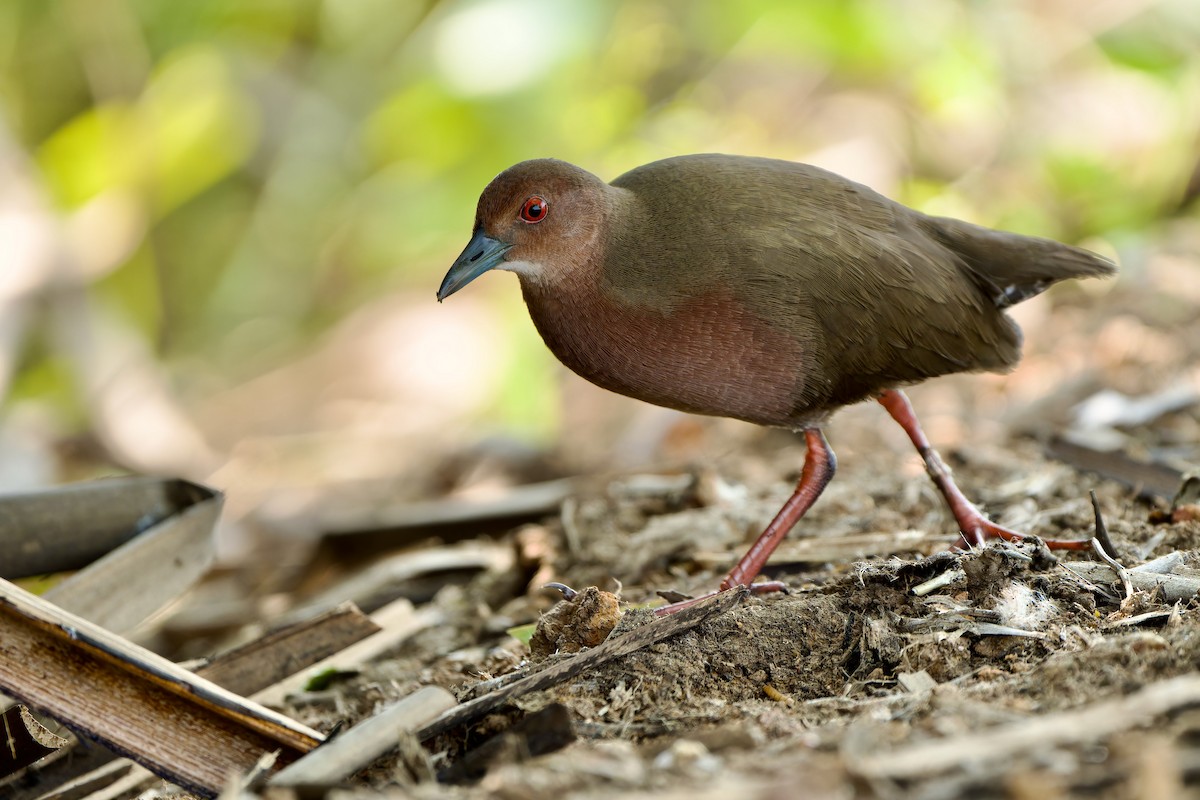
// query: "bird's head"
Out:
[539,219]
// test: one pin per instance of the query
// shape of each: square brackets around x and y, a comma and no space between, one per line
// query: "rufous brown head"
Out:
[535,219]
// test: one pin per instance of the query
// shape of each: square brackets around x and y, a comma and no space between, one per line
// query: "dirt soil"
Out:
[891,667]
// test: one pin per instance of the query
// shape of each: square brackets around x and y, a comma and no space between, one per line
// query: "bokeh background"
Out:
[222,222]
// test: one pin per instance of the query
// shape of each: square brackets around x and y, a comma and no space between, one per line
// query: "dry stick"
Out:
[1122,573]
[186,728]
[612,648]
[124,787]
[366,741]
[1173,587]
[1005,743]
[938,581]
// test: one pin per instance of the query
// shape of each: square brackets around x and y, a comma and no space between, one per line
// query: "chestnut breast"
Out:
[706,353]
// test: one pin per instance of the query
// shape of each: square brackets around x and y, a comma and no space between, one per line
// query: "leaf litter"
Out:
[1054,671]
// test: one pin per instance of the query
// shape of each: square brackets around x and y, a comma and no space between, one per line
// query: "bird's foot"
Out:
[975,529]
[763,587]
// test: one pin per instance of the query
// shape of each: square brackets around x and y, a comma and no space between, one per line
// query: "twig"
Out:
[615,647]
[1122,573]
[938,581]
[88,783]
[1173,587]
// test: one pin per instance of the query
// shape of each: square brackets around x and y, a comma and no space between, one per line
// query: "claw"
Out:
[567,592]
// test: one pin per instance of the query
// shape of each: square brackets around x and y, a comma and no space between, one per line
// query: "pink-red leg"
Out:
[975,528]
[819,466]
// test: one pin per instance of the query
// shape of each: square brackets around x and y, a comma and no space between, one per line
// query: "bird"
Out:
[764,290]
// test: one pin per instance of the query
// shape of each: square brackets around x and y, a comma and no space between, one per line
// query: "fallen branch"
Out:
[614,647]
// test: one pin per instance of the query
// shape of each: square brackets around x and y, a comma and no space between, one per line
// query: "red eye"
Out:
[534,210]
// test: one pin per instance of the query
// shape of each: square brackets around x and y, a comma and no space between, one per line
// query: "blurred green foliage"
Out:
[280,163]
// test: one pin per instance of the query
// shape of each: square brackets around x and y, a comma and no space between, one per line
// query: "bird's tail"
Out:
[1011,267]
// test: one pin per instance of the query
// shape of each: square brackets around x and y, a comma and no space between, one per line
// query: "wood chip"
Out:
[938,581]
[916,682]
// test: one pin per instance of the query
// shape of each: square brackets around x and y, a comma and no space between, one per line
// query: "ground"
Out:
[892,667]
